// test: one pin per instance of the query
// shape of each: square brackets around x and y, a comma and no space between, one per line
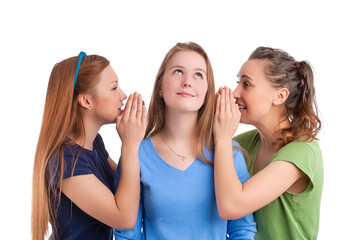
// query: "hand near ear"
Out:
[227,115]
[131,123]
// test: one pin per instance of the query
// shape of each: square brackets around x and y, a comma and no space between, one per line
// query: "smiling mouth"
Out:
[242,108]
[184,94]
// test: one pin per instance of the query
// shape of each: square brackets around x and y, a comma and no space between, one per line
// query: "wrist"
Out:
[222,140]
[129,149]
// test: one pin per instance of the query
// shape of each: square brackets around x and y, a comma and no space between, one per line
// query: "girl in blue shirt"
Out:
[73,173]
[177,199]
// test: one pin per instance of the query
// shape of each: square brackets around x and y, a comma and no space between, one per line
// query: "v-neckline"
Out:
[171,169]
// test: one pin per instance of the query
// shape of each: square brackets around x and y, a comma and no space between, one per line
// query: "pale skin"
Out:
[234,199]
[87,191]
[183,88]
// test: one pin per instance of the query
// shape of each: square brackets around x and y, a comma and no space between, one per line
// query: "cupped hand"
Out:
[131,123]
[227,115]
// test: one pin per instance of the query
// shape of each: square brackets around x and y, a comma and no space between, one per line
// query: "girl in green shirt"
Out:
[276,95]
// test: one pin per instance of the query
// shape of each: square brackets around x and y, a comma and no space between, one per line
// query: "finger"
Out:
[232,100]
[139,107]
[227,100]
[219,91]
[134,105]
[217,110]
[143,116]
[222,102]
[128,106]
[118,120]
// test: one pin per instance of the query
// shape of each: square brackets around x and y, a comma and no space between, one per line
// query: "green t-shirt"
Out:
[290,216]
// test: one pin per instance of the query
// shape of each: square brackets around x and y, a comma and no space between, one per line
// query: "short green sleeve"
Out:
[305,156]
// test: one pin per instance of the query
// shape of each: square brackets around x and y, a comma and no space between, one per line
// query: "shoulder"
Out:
[304,155]
[146,150]
[99,146]
[247,138]
[99,142]
[298,149]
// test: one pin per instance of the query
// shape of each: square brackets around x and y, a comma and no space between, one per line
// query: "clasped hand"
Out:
[227,115]
[131,123]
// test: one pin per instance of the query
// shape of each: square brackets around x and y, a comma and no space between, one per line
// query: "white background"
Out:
[135,36]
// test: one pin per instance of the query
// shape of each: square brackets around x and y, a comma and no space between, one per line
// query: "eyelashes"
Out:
[245,84]
[197,75]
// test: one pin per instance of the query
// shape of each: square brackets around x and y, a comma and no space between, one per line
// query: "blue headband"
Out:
[81,55]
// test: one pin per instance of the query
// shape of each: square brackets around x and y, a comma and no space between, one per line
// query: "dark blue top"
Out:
[73,223]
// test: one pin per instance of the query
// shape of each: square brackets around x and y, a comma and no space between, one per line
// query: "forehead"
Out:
[254,68]
[187,59]
[108,76]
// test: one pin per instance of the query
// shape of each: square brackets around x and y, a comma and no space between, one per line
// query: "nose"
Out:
[186,81]
[237,92]
[122,95]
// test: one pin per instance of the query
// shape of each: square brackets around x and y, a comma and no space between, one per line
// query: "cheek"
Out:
[202,90]
[166,85]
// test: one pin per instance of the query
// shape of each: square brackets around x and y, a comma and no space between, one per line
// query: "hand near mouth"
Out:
[131,123]
[227,115]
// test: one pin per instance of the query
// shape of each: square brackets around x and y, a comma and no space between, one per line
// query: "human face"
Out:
[184,85]
[254,93]
[108,97]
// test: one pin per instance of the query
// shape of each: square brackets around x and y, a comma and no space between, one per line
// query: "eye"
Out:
[178,71]
[114,88]
[198,75]
[246,84]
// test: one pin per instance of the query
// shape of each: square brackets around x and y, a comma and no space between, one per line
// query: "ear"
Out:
[281,96]
[85,100]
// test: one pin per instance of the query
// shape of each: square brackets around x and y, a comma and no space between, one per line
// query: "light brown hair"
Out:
[62,119]
[156,114]
[301,108]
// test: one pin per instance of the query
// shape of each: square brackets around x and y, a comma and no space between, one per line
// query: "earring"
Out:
[89,106]
[275,103]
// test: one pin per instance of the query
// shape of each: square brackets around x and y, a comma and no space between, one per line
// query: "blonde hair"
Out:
[204,126]
[62,118]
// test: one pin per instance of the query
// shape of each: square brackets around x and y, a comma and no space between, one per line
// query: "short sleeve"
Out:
[302,155]
[75,163]
[76,167]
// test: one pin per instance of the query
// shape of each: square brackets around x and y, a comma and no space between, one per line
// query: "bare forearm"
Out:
[227,184]
[128,192]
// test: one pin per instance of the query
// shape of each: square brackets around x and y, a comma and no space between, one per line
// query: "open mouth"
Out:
[242,108]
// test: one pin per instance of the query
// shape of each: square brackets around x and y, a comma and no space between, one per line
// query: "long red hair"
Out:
[62,119]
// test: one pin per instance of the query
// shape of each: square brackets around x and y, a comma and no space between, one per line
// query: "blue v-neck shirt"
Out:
[176,204]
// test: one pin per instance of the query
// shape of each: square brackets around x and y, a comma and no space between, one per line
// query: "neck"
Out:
[268,128]
[180,126]
[91,130]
